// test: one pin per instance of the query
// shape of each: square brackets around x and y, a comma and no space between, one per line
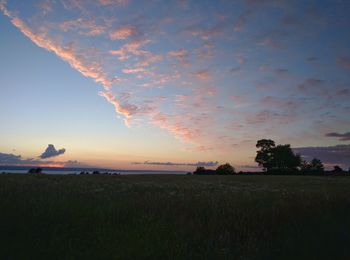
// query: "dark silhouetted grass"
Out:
[174,217]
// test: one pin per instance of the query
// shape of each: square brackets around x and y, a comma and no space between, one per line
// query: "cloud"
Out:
[343,92]
[281,71]
[148,58]
[312,59]
[203,74]
[181,55]
[234,70]
[241,21]
[207,33]
[123,32]
[121,107]
[343,137]
[133,70]
[344,62]
[311,83]
[338,154]
[113,2]
[197,164]
[129,48]
[83,26]
[9,159]
[77,61]
[51,152]
[66,52]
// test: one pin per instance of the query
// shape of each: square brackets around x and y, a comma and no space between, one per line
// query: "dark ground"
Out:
[174,217]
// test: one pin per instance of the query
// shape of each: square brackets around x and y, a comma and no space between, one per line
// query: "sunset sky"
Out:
[154,84]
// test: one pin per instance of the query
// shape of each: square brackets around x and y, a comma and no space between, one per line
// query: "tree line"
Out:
[276,159]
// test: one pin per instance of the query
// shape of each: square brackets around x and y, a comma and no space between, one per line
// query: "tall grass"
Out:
[174,217]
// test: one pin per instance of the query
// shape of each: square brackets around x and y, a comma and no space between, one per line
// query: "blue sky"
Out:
[116,82]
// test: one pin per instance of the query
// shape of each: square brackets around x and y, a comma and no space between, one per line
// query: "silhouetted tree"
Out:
[283,158]
[199,170]
[337,169]
[315,166]
[225,169]
[202,171]
[264,155]
[276,158]
[35,170]
[305,166]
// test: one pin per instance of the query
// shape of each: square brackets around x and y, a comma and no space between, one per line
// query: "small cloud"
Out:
[337,154]
[312,59]
[344,62]
[207,33]
[123,32]
[113,2]
[203,75]
[234,70]
[51,152]
[241,21]
[343,137]
[291,21]
[311,83]
[280,71]
[343,92]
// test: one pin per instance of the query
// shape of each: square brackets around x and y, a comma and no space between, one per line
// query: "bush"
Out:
[225,169]
[35,170]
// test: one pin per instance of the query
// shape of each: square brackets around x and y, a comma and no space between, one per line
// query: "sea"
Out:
[58,170]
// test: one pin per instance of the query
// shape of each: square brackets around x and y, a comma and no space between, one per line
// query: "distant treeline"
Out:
[277,159]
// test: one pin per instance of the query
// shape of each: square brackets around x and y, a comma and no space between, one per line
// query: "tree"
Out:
[264,156]
[315,166]
[35,170]
[225,169]
[305,166]
[265,144]
[202,171]
[276,158]
[337,169]
[283,158]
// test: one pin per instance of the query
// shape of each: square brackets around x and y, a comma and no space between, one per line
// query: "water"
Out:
[78,171]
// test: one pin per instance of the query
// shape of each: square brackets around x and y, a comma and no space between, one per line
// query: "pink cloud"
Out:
[46,7]
[113,2]
[67,53]
[124,108]
[241,21]
[344,62]
[123,32]
[181,55]
[207,33]
[132,47]
[148,59]
[99,64]
[205,52]
[133,70]
[84,27]
[203,75]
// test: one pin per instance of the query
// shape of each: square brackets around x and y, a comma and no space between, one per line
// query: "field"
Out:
[174,217]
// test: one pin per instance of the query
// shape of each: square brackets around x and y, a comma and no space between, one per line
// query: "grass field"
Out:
[174,217]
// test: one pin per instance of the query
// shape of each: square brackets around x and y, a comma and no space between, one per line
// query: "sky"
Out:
[131,84]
